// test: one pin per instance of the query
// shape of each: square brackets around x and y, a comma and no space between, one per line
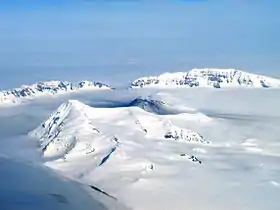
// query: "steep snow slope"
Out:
[70,128]
[208,77]
[29,186]
[51,87]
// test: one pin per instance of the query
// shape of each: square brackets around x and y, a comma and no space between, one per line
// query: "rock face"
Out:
[149,105]
[216,78]
[156,106]
[51,87]
[185,135]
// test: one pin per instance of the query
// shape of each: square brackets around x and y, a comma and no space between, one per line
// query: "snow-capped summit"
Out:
[208,77]
[150,105]
[119,147]
[49,87]
[66,127]
[157,107]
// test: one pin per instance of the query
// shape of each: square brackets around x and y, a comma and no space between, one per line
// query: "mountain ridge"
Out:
[69,128]
[61,131]
[48,87]
[208,77]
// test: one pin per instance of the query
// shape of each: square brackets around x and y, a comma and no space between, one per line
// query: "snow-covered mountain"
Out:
[153,106]
[67,128]
[216,78]
[50,87]
[72,127]
[114,147]
[208,77]
[149,159]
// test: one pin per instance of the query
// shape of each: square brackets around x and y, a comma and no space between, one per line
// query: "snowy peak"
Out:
[208,77]
[60,132]
[74,128]
[68,111]
[154,106]
[50,87]
[149,105]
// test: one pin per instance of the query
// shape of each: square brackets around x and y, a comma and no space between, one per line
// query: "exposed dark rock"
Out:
[192,158]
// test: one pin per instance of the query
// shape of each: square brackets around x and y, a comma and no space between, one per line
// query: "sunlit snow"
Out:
[158,148]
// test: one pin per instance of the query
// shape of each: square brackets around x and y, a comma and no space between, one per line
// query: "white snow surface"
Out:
[199,149]
[71,129]
[83,141]
[208,77]
[29,186]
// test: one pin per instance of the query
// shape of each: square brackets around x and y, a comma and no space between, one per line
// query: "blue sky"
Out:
[115,41]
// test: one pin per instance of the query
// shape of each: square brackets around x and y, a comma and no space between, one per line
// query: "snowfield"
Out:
[151,148]
[43,189]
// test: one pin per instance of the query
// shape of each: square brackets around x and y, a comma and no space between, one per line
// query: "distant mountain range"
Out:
[208,77]
[50,87]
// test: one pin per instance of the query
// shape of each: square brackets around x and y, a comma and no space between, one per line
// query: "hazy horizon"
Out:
[72,40]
